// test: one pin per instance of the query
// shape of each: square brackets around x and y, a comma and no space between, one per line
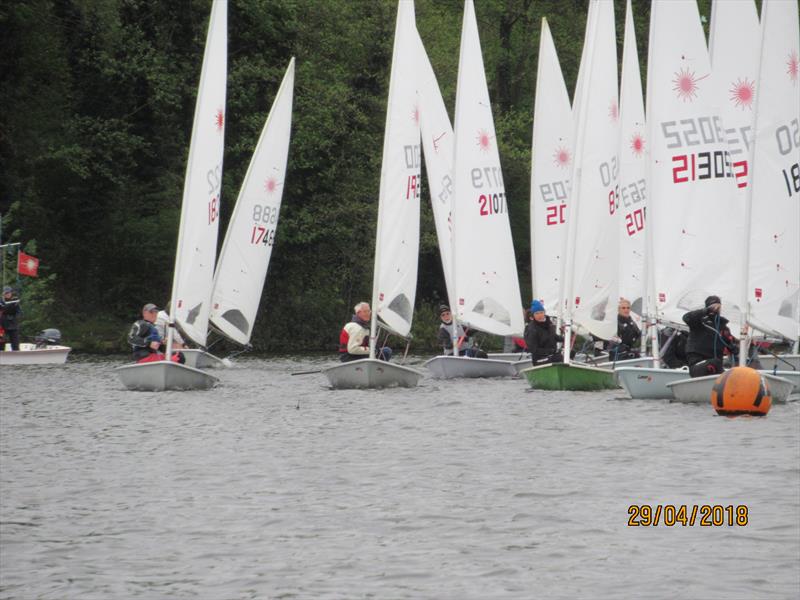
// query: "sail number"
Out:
[634,221]
[490,203]
[705,130]
[792,177]
[262,236]
[788,139]
[608,177]
[632,194]
[411,152]
[214,179]
[555,191]
[703,165]
[264,215]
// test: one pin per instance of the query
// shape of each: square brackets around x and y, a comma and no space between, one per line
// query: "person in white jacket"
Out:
[354,337]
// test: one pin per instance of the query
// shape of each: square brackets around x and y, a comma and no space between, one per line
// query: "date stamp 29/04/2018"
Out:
[703,515]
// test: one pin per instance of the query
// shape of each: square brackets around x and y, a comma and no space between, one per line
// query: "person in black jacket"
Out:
[10,313]
[629,336]
[709,337]
[144,338]
[541,337]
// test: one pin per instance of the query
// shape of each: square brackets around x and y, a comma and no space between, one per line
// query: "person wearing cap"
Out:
[541,337]
[466,347]
[144,337]
[354,337]
[10,313]
[709,338]
[626,344]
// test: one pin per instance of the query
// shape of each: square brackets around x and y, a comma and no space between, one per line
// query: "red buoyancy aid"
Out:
[344,338]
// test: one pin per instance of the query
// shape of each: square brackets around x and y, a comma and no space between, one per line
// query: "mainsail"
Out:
[397,241]
[552,160]
[591,257]
[197,236]
[485,270]
[692,211]
[244,258]
[773,278]
[438,143]
[632,174]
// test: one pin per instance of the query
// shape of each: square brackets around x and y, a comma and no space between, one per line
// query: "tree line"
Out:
[98,99]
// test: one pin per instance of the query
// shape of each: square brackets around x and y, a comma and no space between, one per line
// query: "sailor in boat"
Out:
[709,339]
[162,324]
[10,313]
[673,347]
[145,340]
[354,337]
[541,337]
[626,344]
[466,346]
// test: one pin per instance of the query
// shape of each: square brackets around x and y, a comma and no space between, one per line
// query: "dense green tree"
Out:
[98,99]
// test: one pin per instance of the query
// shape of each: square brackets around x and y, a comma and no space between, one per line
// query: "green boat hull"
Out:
[559,376]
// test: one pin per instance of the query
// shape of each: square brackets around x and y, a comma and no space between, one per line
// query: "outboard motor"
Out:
[47,336]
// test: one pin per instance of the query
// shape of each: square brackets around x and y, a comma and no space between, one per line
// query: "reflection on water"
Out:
[272,485]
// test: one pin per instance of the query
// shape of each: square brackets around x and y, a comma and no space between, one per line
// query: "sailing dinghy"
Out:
[590,259]
[397,241]
[484,273]
[197,235]
[688,184]
[772,218]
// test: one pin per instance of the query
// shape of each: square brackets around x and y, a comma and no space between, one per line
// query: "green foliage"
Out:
[98,99]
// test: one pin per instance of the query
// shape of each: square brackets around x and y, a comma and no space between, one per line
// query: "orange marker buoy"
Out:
[741,391]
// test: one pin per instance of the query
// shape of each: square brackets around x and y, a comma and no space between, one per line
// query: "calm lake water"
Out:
[273,486]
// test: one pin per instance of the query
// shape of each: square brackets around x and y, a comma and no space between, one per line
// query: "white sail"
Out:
[773,288]
[591,258]
[551,153]
[694,223]
[397,242]
[197,236]
[485,270]
[632,174]
[438,143]
[246,251]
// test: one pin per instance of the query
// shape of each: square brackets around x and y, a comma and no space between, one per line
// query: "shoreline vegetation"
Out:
[98,105]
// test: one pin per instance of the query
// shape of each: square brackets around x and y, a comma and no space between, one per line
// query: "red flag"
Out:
[27,265]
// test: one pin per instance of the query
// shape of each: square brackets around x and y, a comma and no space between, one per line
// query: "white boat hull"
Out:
[370,373]
[784,362]
[698,389]
[647,383]
[29,354]
[793,376]
[644,361]
[450,367]
[164,376]
[199,359]
[511,356]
